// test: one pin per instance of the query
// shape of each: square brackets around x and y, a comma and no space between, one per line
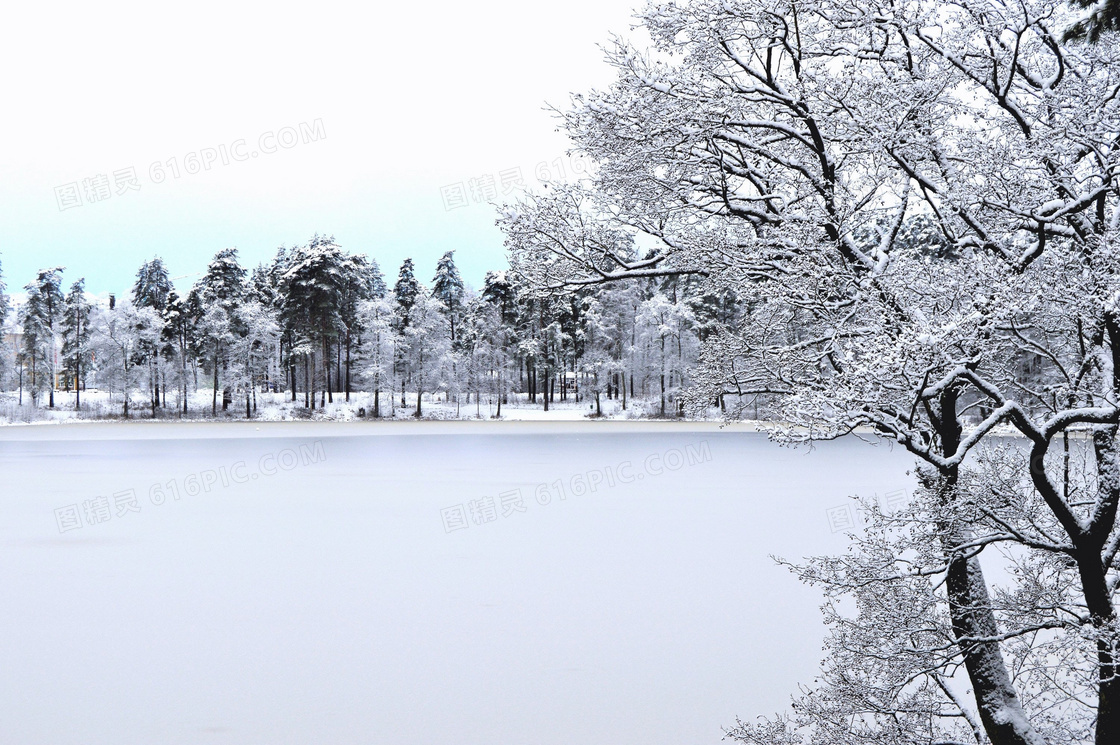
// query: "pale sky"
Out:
[411,98]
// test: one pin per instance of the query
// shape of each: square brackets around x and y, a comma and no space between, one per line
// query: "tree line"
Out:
[318,321]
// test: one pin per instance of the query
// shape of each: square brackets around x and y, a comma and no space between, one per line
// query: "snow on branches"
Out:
[916,204]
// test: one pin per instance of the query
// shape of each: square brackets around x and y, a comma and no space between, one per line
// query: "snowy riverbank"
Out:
[168,429]
[278,407]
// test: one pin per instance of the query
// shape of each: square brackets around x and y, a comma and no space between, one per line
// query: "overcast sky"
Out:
[399,105]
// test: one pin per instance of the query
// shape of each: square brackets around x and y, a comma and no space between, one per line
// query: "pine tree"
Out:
[361,281]
[153,286]
[405,293]
[40,317]
[152,289]
[75,328]
[178,337]
[224,281]
[447,287]
[221,288]
[314,287]
[1101,16]
[375,279]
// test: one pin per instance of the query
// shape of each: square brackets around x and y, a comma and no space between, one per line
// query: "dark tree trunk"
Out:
[970,609]
[214,402]
[327,370]
[348,366]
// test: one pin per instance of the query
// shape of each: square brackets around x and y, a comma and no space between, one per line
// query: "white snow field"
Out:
[314,583]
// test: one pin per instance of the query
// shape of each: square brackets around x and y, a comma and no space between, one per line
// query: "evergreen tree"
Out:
[405,293]
[1101,16]
[179,337]
[40,317]
[361,282]
[447,287]
[152,289]
[375,279]
[153,286]
[261,288]
[314,286]
[221,288]
[497,289]
[75,328]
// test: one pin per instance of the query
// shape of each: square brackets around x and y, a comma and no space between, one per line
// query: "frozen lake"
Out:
[350,583]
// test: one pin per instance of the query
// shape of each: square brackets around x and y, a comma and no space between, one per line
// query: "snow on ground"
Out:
[99,405]
[312,582]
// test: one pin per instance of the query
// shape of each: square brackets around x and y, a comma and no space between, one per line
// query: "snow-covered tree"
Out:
[778,148]
[119,337]
[153,285]
[251,349]
[405,292]
[362,281]
[499,293]
[75,331]
[5,310]
[179,338]
[220,291]
[447,287]
[1098,17]
[151,290]
[380,346]
[425,346]
[321,290]
[39,317]
[664,324]
[596,362]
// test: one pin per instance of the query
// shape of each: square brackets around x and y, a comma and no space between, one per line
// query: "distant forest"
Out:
[319,322]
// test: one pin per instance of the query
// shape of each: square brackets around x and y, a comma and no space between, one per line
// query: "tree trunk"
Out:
[214,402]
[327,389]
[970,609]
[78,370]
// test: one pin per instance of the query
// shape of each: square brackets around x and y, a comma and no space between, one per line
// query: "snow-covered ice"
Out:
[323,599]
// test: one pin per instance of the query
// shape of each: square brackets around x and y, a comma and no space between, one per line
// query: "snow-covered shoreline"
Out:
[142,429]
